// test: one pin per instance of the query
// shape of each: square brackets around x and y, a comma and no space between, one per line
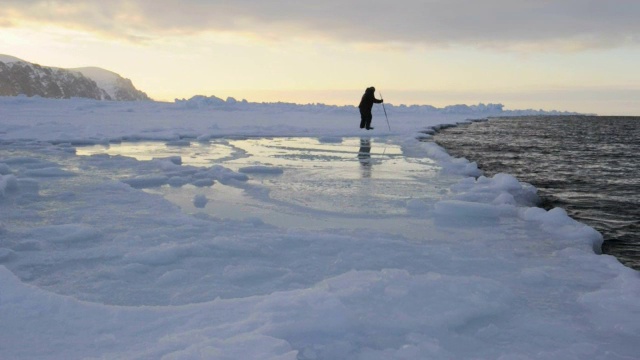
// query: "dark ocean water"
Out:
[588,165]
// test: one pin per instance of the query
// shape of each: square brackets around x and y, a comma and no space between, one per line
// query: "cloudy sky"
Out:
[577,55]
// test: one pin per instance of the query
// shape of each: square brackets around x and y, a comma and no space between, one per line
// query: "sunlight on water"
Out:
[196,154]
[293,180]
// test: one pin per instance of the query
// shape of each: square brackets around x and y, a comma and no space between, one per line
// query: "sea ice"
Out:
[411,254]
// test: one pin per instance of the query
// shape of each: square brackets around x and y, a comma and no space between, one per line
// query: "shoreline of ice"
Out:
[494,277]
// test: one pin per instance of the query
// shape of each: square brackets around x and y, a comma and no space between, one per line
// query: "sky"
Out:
[572,55]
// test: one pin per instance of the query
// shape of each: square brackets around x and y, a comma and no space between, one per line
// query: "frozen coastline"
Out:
[94,266]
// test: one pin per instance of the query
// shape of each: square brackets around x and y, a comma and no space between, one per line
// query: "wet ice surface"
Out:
[304,183]
[153,223]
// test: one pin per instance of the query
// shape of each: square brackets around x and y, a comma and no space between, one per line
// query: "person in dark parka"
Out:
[368,99]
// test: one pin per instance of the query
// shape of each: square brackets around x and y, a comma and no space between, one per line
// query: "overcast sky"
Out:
[565,54]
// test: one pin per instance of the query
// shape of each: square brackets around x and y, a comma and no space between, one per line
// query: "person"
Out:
[368,99]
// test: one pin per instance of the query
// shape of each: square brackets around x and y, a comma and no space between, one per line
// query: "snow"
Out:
[105,79]
[231,230]
[9,59]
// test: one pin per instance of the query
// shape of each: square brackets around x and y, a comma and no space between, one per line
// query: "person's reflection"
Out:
[364,155]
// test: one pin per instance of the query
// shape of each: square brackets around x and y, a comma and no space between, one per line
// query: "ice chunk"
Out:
[203,182]
[200,201]
[177,160]
[177,181]
[146,181]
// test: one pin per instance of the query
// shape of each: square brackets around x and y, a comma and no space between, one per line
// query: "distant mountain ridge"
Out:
[19,77]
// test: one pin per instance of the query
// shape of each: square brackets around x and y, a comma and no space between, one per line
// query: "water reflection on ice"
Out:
[350,182]
[192,153]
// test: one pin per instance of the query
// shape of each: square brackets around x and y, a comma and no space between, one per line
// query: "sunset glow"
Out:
[542,55]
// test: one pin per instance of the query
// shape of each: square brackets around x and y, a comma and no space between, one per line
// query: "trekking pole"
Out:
[385,111]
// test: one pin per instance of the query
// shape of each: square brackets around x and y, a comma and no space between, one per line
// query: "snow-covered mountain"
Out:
[21,77]
[9,59]
[116,87]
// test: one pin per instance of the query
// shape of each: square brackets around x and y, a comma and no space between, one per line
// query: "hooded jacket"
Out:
[368,99]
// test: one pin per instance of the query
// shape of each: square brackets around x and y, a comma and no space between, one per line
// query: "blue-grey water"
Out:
[588,165]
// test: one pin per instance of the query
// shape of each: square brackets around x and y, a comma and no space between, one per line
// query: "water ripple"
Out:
[587,165]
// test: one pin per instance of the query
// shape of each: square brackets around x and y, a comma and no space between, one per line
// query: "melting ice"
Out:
[163,231]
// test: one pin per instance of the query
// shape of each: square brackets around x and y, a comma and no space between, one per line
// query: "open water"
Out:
[588,165]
